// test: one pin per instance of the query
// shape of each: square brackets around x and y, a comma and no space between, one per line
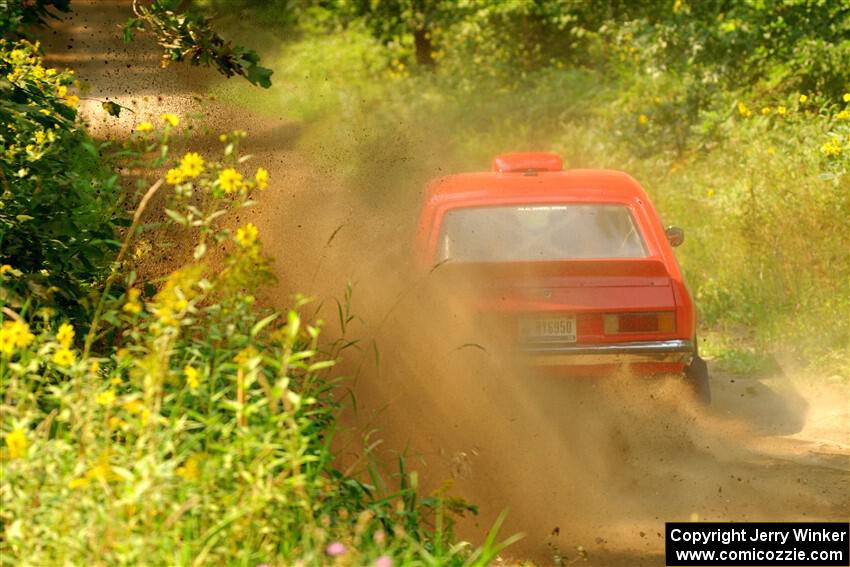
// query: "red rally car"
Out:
[576,265]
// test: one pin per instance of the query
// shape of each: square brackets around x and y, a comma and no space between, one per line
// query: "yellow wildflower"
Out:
[132,406]
[116,422]
[65,335]
[175,176]
[170,119]
[843,115]
[105,398]
[102,471]
[230,180]
[17,443]
[72,101]
[14,334]
[643,119]
[189,470]
[165,315]
[63,357]
[62,91]
[832,148]
[245,355]
[781,110]
[765,110]
[75,483]
[262,178]
[5,269]
[133,305]
[192,164]
[743,110]
[222,137]
[144,127]
[846,97]
[803,99]
[246,235]
[191,377]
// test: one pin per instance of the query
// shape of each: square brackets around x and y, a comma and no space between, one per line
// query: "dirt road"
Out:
[601,465]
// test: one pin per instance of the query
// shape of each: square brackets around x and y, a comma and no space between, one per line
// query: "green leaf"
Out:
[112,108]
[176,217]
[260,76]
[260,325]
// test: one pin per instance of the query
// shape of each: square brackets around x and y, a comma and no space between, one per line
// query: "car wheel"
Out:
[696,375]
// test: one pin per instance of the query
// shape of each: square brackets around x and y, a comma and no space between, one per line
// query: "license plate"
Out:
[561,329]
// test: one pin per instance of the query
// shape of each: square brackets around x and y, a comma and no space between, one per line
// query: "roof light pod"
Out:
[524,162]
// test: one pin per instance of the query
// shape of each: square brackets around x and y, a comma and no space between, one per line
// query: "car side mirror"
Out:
[675,235]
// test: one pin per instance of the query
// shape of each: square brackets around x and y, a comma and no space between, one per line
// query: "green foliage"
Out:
[786,45]
[187,36]
[778,46]
[58,206]
[17,17]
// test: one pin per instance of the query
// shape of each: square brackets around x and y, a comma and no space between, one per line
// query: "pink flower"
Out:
[384,561]
[335,549]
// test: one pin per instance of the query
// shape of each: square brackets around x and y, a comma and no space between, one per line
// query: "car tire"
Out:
[696,375]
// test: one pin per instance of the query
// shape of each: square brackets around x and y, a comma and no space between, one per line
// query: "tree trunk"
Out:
[424,47]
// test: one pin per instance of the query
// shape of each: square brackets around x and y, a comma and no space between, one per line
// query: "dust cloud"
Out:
[597,463]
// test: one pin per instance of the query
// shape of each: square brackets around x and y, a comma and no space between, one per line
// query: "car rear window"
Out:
[539,232]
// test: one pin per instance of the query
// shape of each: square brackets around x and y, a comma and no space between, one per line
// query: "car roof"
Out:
[605,185]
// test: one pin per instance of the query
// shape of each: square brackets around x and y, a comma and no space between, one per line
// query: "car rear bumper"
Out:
[666,352]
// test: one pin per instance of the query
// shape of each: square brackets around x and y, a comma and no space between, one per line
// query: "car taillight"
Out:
[663,322]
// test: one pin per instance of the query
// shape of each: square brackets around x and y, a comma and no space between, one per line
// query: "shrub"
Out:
[59,206]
